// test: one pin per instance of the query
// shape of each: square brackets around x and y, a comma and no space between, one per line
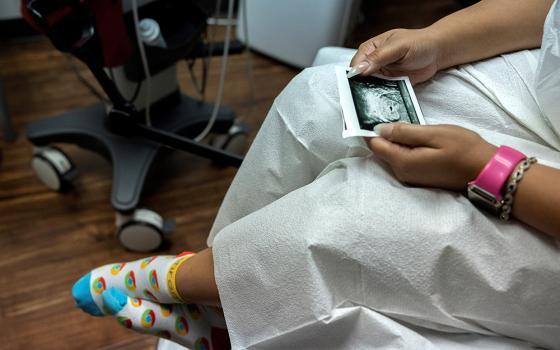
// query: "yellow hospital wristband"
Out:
[172,275]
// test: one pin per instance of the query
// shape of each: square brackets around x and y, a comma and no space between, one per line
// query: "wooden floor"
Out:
[48,240]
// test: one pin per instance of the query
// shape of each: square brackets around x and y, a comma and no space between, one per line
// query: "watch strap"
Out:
[497,171]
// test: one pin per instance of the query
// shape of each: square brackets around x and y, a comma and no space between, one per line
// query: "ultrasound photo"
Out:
[379,100]
[368,101]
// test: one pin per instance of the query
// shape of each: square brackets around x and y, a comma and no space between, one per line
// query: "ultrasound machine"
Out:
[132,50]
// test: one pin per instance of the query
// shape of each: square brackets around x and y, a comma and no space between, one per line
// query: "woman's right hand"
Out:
[411,52]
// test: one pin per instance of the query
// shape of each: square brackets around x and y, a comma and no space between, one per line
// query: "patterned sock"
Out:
[180,323]
[151,278]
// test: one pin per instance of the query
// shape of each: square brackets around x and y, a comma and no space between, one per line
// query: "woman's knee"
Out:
[309,103]
[309,109]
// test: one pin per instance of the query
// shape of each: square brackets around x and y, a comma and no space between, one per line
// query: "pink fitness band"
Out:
[486,189]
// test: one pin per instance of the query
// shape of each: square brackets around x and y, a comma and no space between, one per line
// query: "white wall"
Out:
[293,31]
[9,9]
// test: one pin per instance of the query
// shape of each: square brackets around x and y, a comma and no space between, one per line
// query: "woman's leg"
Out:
[301,135]
[195,280]
[318,256]
[165,296]
[302,132]
[354,258]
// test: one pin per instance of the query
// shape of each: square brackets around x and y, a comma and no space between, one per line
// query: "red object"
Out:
[186,252]
[111,30]
[25,14]
[109,25]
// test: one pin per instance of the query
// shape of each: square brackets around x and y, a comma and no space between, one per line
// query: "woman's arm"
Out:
[448,157]
[537,200]
[489,28]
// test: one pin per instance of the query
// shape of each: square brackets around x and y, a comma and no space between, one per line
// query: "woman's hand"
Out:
[477,32]
[441,156]
[414,53]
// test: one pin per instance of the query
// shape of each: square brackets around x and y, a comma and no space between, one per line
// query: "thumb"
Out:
[408,134]
[386,150]
[383,56]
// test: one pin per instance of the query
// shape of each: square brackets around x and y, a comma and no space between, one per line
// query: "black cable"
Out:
[86,83]
[136,92]
[136,89]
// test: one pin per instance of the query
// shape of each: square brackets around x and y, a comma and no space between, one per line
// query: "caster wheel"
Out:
[235,139]
[53,168]
[142,231]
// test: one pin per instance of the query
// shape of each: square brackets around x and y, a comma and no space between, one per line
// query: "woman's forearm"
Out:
[537,201]
[489,28]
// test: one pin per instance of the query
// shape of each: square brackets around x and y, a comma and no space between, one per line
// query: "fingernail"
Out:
[384,130]
[357,69]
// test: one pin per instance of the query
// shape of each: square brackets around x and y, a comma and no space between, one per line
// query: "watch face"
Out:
[484,199]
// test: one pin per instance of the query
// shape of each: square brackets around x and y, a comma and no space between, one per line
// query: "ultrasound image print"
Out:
[379,100]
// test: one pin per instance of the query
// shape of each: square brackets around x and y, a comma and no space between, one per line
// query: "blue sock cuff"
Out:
[81,292]
[114,300]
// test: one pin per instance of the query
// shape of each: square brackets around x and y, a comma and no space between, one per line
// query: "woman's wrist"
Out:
[495,186]
[478,159]
[437,37]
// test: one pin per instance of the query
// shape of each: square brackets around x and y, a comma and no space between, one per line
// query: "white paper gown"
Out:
[317,245]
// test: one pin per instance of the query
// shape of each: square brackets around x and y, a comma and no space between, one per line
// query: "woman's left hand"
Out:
[441,156]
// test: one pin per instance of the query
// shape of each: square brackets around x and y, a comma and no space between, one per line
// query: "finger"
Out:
[382,56]
[169,321]
[409,134]
[386,150]
[415,77]
[366,48]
